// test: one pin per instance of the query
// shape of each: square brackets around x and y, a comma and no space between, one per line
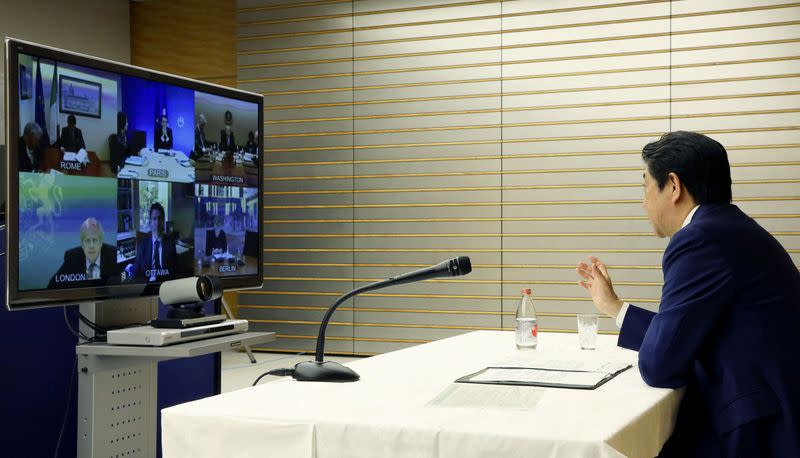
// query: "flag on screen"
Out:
[39,108]
[161,108]
[52,121]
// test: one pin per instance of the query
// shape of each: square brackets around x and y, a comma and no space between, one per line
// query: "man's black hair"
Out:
[157,206]
[699,161]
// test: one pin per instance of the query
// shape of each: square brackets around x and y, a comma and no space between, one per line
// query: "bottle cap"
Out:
[526,290]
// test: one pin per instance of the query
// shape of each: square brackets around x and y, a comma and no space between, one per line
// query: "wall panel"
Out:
[202,48]
[301,84]
[402,133]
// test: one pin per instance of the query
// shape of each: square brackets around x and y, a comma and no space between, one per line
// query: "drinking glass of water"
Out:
[587,331]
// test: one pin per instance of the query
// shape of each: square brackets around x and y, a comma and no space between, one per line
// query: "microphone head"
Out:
[460,266]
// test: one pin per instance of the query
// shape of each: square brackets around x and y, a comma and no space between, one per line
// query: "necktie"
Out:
[91,272]
[156,256]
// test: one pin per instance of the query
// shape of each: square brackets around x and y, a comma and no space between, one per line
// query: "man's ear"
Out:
[676,187]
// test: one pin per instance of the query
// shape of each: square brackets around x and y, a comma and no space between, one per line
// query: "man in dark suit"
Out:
[156,254]
[163,136]
[226,139]
[94,262]
[727,324]
[71,136]
[216,238]
[30,148]
[118,143]
[252,145]
[200,147]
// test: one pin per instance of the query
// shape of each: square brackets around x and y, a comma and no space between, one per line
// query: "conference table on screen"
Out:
[170,165]
[213,267]
[227,166]
[406,404]
[53,159]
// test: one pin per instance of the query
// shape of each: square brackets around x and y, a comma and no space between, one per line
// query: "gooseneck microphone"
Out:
[319,371]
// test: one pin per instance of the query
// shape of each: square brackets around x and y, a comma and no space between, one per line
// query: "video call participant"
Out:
[251,146]
[156,255]
[163,135]
[71,137]
[216,240]
[199,137]
[30,148]
[226,139]
[118,143]
[92,261]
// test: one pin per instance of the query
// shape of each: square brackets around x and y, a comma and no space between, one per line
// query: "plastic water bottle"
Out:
[527,328]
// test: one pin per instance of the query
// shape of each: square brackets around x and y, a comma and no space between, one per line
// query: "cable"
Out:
[95,327]
[276,372]
[102,329]
[263,362]
[80,335]
[67,407]
[131,325]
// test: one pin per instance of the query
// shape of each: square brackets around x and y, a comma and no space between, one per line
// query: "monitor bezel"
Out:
[23,300]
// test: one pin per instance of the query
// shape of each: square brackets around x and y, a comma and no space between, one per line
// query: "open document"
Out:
[80,156]
[559,374]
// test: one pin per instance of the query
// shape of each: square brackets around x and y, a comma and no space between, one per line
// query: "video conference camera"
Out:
[187,296]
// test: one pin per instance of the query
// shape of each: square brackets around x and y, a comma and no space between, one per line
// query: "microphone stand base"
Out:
[328,371]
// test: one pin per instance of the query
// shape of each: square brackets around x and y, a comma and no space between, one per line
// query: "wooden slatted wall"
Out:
[401,133]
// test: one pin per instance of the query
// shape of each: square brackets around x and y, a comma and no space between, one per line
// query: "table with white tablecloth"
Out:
[165,165]
[396,409]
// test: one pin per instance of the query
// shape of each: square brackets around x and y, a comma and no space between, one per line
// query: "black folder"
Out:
[607,376]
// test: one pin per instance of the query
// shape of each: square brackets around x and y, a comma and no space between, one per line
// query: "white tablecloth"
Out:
[388,412]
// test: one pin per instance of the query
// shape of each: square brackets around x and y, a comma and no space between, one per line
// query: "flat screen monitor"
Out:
[121,178]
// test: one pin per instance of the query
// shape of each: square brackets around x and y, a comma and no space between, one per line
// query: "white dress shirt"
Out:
[153,266]
[625,305]
[30,154]
[93,273]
